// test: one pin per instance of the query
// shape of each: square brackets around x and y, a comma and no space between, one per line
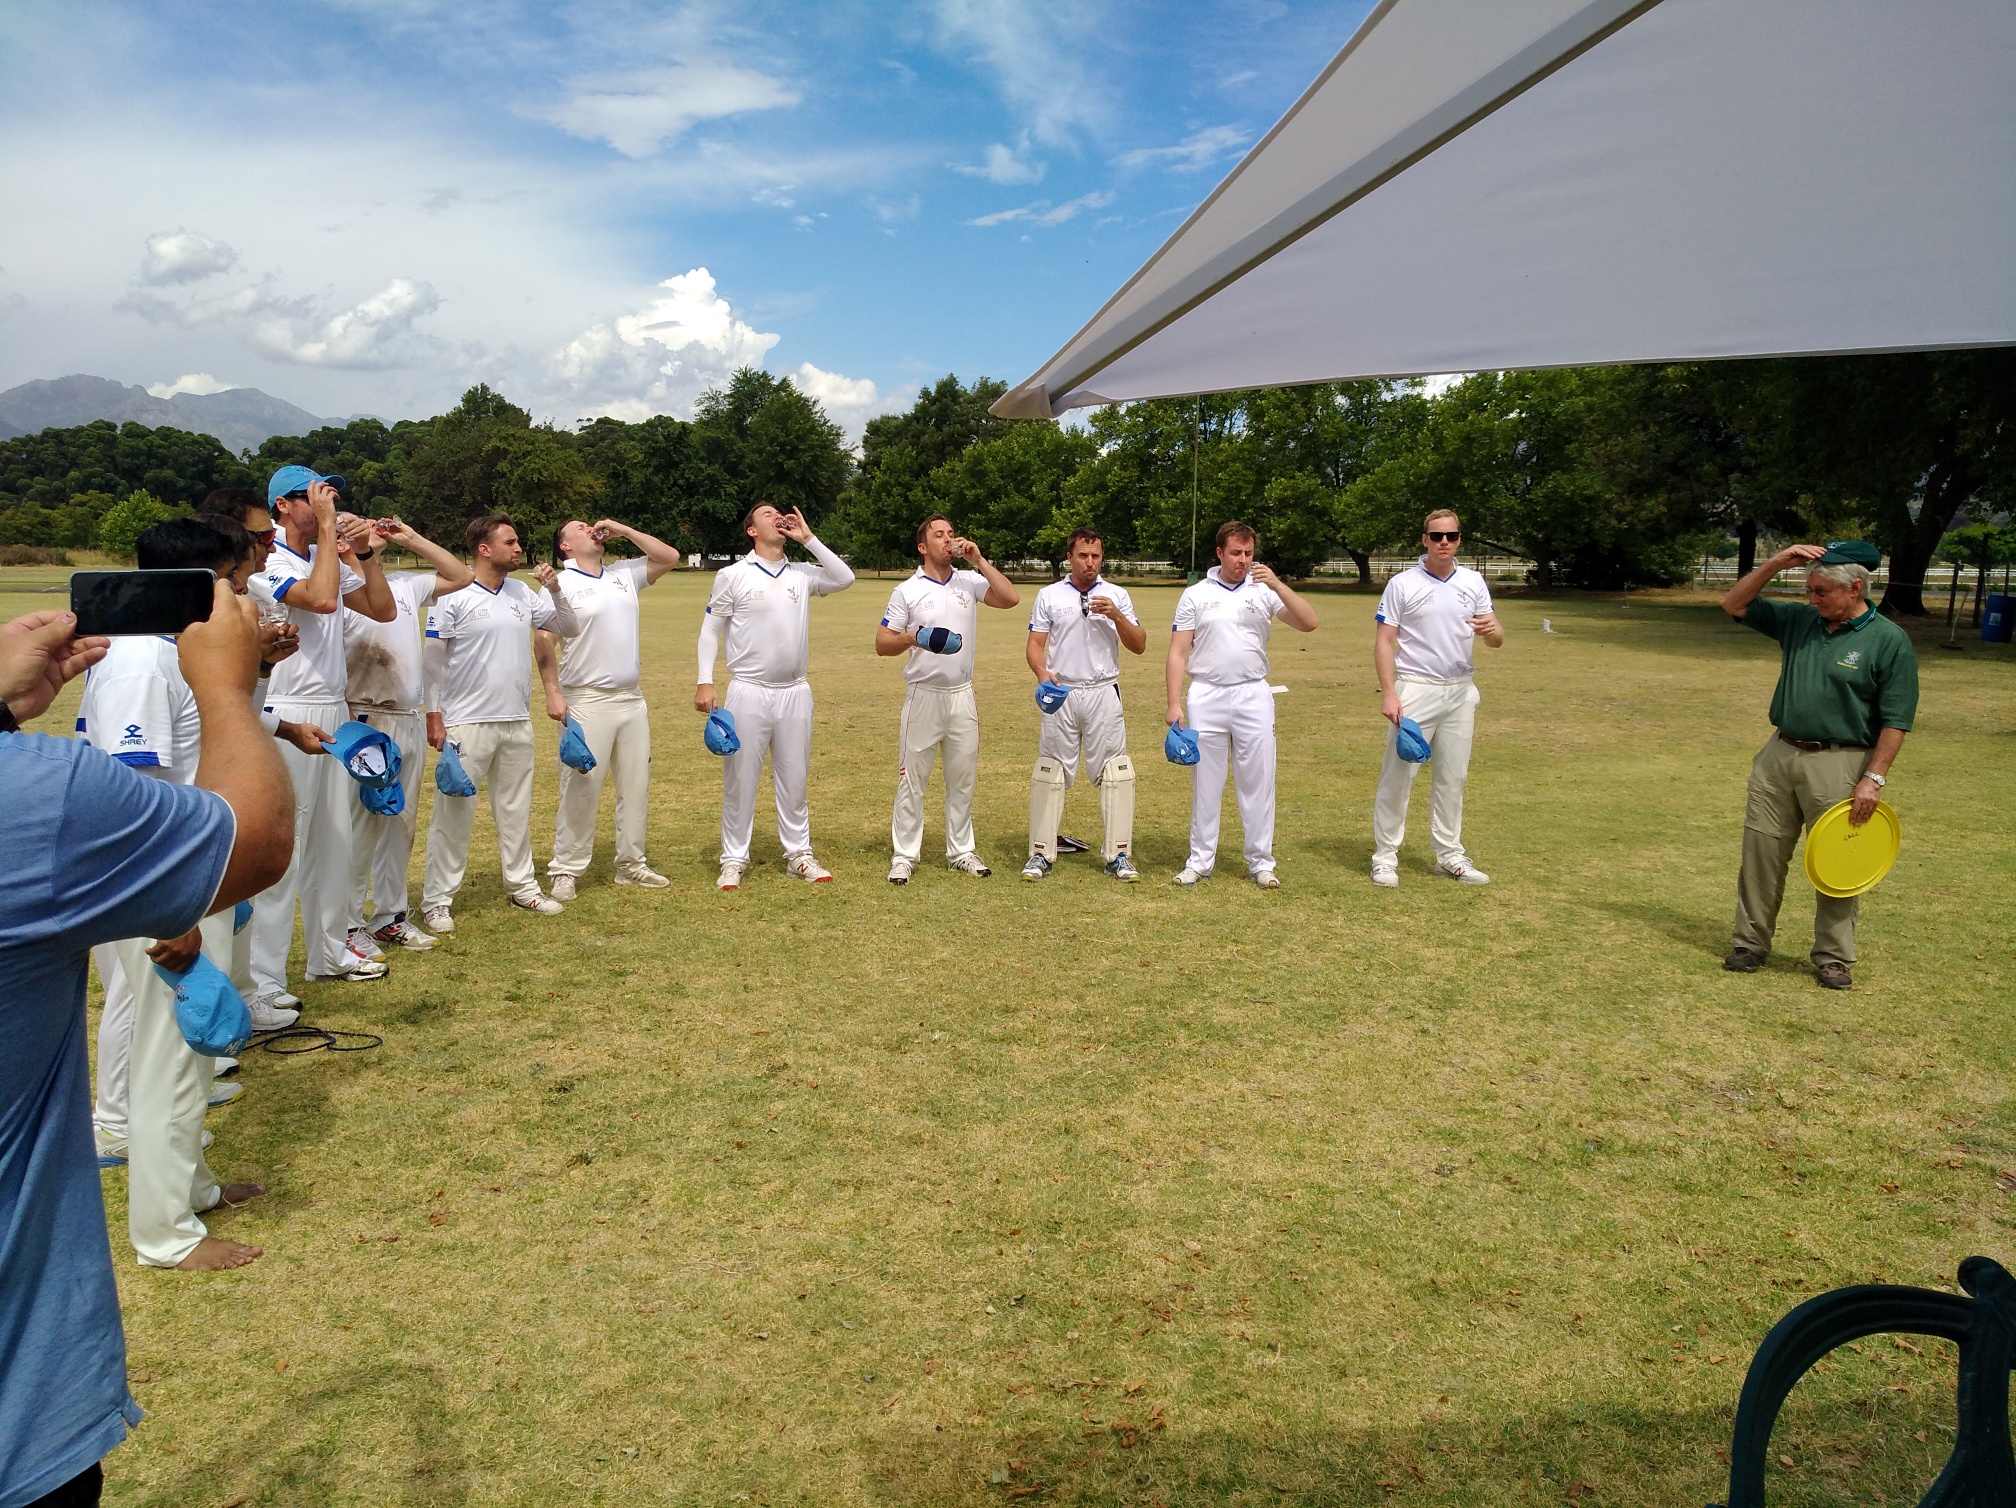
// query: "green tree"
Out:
[52,466]
[1009,494]
[889,494]
[368,454]
[772,444]
[655,477]
[486,455]
[126,520]
[1982,546]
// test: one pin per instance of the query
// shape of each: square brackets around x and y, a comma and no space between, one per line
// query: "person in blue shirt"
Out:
[96,852]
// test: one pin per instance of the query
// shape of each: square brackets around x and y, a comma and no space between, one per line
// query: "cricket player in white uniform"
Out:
[309,574]
[387,689]
[153,1090]
[939,710]
[1076,630]
[762,605]
[597,676]
[1222,627]
[479,697]
[1430,617]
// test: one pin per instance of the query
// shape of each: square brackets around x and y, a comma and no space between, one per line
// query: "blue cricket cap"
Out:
[1410,743]
[296,479]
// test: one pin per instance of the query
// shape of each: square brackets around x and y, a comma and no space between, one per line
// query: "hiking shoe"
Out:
[536,903]
[731,877]
[968,863]
[561,887]
[1743,961]
[1186,877]
[1122,868]
[1465,873]
[222,1092]
[1385,877]
[440,919]
[361,942]
[1834,976]
[268,1015]
[1036,868]
[805,867]
[1267,879]
[643,875]
[899,871]
[403,934]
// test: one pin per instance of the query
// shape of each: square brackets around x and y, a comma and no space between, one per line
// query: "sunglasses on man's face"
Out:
[1445,537]
[264,536]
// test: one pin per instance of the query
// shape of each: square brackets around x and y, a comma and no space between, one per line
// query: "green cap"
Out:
[1851,552]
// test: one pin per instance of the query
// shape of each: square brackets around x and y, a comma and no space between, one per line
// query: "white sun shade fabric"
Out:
[1490,184]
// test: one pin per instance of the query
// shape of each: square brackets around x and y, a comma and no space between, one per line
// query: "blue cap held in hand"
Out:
[384,800]
[719,734]
[450,779]
[1050,696]
[940,641]
[1179,745]
[574,751]
[241,917]
[1410,743]
[213,1016]
[369,756]
[296,479]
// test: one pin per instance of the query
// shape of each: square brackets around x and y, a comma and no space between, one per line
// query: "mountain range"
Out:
[241,417]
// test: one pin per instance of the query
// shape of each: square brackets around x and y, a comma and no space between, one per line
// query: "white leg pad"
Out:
[1046,806]
[1116,807]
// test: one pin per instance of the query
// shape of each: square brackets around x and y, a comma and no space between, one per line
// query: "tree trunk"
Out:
[1947,485]
[1543,570]
[1746,548]
[1364,564]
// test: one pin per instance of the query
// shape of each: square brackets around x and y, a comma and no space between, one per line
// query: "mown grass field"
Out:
[978,1192]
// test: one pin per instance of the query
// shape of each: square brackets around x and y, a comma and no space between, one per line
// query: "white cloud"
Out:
[1193,153]
[1043,212]
[182,256]
[641,112]
[1005,164]
[375,333]
[850,402]
[1038,52]
[658,360]
[199,383]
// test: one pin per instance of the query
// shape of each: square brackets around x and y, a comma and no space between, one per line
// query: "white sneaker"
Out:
[223,1068]
[899,871]
[1186,877]
[538,904]
[1267,879]
[223,1092]
[1036,868]
[269,1016]
[562,887]
[968,863]
[286,1001]
[1464,872]
[805,867]
[403,934]
[364,945]
[1388,878]
[643,875]
[440,919]
[730,877]
[356,968]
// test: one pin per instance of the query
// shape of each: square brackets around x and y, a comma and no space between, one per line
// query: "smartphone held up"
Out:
[140,602]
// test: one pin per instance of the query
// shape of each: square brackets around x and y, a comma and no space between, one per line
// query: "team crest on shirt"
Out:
[793,591]
[1850,660]
[518,610]
[962,598]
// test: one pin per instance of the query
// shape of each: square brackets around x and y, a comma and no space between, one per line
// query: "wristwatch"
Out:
[1872,775]
[364,554]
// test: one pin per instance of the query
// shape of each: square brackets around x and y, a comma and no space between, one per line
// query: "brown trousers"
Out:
[1789,789]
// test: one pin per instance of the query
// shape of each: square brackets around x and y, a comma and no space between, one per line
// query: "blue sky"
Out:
[365,205]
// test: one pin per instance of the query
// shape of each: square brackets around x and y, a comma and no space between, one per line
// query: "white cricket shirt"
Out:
[315,672]
[1232,625]
[604,654]
[926,602]
[767,609]
[138,709]
[383,659]
[1084,648]
[1432,615]
[486,674]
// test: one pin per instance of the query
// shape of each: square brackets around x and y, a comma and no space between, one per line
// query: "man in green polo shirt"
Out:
[1847,692]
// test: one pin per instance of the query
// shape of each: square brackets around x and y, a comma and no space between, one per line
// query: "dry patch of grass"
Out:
[982,1192]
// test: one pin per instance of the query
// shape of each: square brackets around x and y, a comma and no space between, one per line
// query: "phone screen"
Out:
[140,602]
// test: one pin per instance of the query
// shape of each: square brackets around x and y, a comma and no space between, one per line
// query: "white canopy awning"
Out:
[1486,184]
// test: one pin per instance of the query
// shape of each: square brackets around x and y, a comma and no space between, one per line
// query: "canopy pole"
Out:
[1196,417]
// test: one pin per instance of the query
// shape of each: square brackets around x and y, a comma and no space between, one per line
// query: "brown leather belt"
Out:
[1818,748]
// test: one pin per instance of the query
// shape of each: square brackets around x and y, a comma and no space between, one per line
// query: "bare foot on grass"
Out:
[213,1255]
[235,1194]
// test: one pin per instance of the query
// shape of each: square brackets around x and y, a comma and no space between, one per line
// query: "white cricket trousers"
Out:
[1090,722]
[1447,713]
[935,719]
[319,876]
[777,718]
[167,1178]
[618,729]
[110,1114]
[381,847]
[499,756]
[1235,725]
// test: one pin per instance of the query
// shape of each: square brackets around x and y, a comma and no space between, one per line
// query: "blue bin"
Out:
[1998,618]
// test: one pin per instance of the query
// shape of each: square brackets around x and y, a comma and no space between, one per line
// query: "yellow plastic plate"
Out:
[1842,860]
